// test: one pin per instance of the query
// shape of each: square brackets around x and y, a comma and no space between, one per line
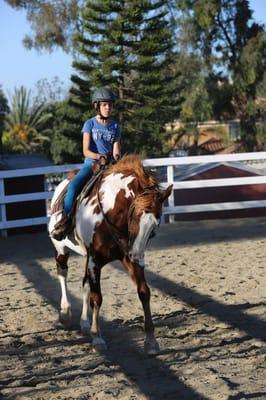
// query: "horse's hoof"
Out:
[65,318]
[151,347]
[85,327]
[99,344]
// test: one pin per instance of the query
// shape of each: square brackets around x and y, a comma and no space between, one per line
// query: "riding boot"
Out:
[62,228]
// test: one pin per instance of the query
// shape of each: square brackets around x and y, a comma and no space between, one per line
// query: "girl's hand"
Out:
[102,160]
[116,157]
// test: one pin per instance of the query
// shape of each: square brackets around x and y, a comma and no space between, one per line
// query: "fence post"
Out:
[2,207]
[170,180]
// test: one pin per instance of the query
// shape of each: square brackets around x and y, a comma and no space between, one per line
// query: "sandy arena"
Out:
[208,286]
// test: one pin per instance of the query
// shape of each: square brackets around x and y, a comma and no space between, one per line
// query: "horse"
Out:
[113,222]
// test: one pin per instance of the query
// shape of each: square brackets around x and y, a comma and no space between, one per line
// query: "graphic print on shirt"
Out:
[102,137]
[107,135]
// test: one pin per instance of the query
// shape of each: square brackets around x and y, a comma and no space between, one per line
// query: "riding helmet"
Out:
[103,94]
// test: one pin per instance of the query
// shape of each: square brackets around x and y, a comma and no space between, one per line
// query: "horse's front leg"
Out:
[136,272]
[65,306]
[92,294]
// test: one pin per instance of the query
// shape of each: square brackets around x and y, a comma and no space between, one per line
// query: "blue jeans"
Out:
[77,184]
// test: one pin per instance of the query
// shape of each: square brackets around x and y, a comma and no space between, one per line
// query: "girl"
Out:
[101,138]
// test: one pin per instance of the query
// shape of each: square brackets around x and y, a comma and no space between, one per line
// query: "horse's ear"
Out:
[166,193]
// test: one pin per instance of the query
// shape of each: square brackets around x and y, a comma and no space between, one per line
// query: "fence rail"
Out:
[169,163]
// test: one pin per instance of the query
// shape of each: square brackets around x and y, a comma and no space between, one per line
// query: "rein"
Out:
[120,238]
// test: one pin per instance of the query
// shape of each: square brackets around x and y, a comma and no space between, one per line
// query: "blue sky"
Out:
[23,67]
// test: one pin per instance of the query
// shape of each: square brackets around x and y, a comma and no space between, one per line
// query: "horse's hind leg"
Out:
[136,272]
[92,280]
[65,306]
[84,319]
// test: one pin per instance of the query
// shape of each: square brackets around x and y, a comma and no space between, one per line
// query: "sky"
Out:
[20,66]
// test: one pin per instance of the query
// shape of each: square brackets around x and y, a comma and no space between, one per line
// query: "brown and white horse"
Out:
[114,222]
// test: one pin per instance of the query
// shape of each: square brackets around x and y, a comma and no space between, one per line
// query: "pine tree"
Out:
[127,45]
[66,142]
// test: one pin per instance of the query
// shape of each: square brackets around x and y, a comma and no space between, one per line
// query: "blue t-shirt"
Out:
[102,136]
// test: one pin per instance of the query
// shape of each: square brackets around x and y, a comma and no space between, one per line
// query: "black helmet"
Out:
[103,94]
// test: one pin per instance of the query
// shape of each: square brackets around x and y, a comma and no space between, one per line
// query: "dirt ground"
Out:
[208,288]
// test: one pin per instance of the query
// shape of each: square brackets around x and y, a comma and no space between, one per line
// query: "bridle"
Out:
[120,237]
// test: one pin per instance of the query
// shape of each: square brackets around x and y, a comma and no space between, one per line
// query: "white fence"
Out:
[169,163]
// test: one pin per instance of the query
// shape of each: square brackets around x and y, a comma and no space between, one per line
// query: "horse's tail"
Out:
[59,194]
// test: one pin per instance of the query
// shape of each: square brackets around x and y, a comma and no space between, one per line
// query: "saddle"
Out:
[88,186]
[69,222]
[59,203]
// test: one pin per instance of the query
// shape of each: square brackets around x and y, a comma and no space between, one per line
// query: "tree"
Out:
[49,91]
[127,45]
[63,125]
[197,105]
[4,109]
[53,23]
[26,126]
[66,141]
[234,49]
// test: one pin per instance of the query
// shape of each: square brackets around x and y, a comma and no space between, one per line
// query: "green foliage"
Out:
[197,104]
[234,49]
[49,91]
[127,45]
[165,60]
[261,136]
[4,109]
[26,125]
[66,141]
[53,23]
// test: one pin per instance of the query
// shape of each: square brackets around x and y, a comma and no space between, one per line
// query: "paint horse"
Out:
[114,222]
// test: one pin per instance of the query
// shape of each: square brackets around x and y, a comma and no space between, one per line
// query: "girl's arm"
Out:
[86,145]
[116,150]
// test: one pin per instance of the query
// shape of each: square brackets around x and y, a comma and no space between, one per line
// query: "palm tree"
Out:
[26,125]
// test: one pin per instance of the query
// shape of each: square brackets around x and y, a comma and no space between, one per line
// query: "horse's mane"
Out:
[132,164]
